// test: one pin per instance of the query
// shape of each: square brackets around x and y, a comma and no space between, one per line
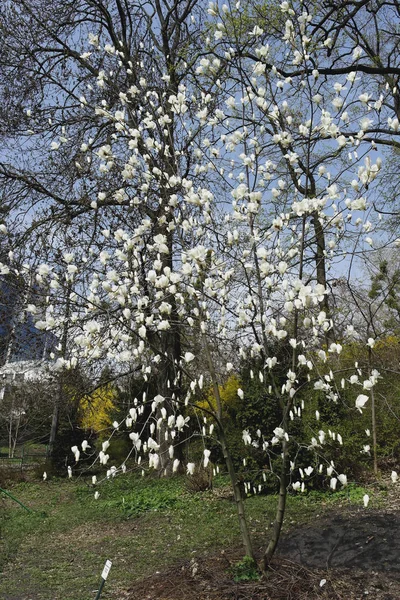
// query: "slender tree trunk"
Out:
[54,421]
[170,344]
[321,274]
[165,465]
[10,451]
[283,479]
[171,350]
[60,387]
[14,441]
[373,417]
[237,494]
[373,422]
[280,512]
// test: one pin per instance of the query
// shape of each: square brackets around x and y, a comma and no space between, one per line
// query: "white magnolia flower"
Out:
[256,31]
[361,400]
[154,460]
[181,421]
[93,39]
[246,437]
[190,468]
[103,458]
[279,432]
[43,269]
[152,444]
[137,442]
[364,98]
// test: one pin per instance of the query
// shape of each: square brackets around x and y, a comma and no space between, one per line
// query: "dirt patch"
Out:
[346,556]
[369,541]
[287,581]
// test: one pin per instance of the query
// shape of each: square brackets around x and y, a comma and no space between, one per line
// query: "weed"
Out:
[245,570]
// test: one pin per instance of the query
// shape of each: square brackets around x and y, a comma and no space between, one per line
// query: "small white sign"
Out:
[106,569]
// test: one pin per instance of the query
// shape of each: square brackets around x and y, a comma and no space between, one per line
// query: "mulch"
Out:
[353,554]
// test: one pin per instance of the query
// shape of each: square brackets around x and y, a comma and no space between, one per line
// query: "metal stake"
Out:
[104,576]
[100,589]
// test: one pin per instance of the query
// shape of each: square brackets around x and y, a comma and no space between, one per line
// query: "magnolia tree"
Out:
[234,248]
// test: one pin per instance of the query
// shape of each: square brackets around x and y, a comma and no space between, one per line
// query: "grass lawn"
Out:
[142,524]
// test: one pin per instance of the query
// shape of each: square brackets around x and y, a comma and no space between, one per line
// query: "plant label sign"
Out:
[106,569]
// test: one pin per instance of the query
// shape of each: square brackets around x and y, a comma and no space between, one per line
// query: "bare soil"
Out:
[287,581]
[347,555]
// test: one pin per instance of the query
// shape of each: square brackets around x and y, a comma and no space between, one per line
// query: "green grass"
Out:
[142,524]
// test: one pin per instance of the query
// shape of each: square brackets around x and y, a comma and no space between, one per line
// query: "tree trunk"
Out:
[321,274]
[10,451]
[373,417]
[60,388]
[280,512]
[54,422]
[237,494]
